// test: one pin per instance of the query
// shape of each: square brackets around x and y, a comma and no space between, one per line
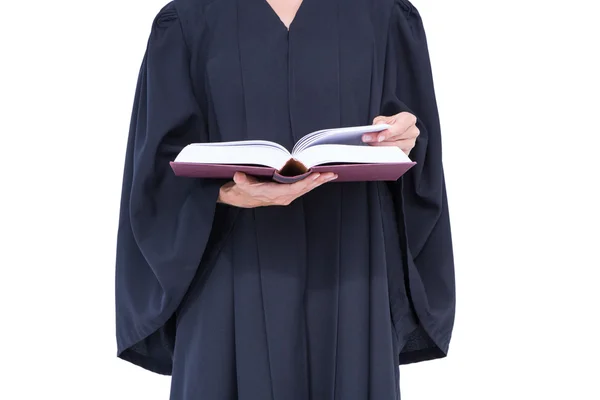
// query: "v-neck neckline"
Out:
[278,18]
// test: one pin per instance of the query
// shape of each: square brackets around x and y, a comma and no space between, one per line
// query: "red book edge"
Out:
[345,172]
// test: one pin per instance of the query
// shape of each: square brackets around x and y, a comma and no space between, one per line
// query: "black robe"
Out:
[321,299]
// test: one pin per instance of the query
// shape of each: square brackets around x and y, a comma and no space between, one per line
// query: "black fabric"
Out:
[420,196]
[321,299]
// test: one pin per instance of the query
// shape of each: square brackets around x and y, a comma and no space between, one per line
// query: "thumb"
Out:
[240,178]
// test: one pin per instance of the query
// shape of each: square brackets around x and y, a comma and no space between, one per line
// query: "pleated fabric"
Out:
[322,299]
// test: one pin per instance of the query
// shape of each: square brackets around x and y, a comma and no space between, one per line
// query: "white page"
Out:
[339,153]
[347,136]
[243,143]
[255,153]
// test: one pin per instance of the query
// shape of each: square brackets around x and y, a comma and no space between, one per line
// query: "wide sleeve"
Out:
[420,195]
[165,221]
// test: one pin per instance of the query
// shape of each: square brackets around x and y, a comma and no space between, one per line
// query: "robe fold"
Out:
[321,299]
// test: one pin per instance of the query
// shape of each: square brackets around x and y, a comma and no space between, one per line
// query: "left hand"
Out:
[402,133]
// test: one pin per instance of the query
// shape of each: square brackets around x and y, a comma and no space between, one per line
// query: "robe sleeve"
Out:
[165,221]
[420,195]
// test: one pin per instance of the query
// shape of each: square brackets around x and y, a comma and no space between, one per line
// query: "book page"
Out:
[249,152]
[346,136]
[339,153]
[244,143]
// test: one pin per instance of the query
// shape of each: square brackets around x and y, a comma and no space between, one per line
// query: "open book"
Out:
[338,150]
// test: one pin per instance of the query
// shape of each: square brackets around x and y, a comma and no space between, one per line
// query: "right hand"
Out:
[247,192]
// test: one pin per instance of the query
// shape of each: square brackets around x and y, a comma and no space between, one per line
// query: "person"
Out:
[246,289]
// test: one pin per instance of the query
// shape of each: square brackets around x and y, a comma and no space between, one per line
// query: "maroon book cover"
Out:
[345,172]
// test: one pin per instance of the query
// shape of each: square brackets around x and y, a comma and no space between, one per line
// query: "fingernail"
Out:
[367,138]
[331,177]
[381,138]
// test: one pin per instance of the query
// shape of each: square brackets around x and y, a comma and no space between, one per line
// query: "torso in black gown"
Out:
[321,299]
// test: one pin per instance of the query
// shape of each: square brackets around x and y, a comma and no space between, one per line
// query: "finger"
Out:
[406,119]
[240,178]
[281,193]
[402,124]
[411,133]
[284,193]
[393,133]
[382,119]
[297,187]
[312,183]
[245,180]
[386,135]
[324,178]
[403,118]
[372,137]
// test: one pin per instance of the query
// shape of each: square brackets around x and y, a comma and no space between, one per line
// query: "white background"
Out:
[517,85]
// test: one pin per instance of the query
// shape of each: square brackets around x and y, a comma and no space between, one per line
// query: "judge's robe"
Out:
[321,299]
